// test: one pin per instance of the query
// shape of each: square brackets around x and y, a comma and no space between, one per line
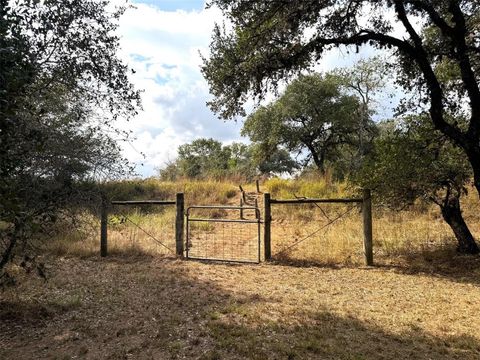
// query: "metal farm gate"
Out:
[223,233]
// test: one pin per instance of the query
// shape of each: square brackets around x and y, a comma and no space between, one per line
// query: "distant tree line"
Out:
[209,158]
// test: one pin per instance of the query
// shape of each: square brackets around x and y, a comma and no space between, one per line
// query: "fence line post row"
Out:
[180,222]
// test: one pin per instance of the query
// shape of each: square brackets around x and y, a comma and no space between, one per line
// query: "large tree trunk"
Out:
[452,214]
[476,179]
[474,158]
[7,252]
[318,157]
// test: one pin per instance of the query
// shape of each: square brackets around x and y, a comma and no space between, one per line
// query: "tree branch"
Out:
[468,77]
[436,92]
[434,15]
[402,16]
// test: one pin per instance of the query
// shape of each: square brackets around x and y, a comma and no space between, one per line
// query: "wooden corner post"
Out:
[367,227]
[103,227]
[179,223]
[266,228]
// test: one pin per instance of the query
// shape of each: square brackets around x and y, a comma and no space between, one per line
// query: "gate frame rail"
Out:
[257,221]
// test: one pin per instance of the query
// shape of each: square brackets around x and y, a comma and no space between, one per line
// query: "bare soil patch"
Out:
[157,308]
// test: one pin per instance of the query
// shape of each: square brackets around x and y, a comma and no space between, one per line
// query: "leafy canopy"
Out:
[207,158]
[412,161]
[314,117]
[268,42]
[61,86]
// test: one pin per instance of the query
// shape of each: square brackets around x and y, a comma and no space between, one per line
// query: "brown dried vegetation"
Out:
[155,308]
[421,301]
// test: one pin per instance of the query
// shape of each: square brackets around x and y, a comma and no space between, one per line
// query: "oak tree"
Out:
[412,162]
[266,42]
[312,116]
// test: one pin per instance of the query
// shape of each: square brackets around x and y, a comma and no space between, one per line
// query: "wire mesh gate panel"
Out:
[224,233]
[142,226]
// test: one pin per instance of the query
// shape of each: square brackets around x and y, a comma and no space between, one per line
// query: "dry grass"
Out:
[417,235]
[397,235]
[152,308]
[421,301]
[196,192]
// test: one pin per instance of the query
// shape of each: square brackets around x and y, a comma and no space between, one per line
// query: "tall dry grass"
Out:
[417,232]
[139,229]
[312,188]
[196,192]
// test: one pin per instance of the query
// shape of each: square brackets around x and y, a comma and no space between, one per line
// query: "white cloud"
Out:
[163,48]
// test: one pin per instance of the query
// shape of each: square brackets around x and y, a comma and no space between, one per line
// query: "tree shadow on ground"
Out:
[164,308]
[286,260]
[324,335]
[443,263]
[28,313]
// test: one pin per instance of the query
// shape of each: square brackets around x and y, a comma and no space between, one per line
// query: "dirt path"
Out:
[153,308]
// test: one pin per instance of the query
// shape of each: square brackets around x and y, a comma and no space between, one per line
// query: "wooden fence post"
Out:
[179,222]
[367,227]
[257,184]
[103,227]
[266,226]
[241,208]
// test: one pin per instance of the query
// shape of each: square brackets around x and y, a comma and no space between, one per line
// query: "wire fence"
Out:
[324,233]
[322,230]
[144,229]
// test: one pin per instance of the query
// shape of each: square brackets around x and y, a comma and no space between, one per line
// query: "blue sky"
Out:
[174,5]
[161,40]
